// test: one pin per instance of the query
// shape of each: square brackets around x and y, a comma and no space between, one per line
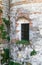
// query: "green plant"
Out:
[33,52]
[2,27]
[5,56]
[8,38]
[4,34]
[23,42]
[6,59]
[13,63]
[28,63]
[1,11]
[7,22]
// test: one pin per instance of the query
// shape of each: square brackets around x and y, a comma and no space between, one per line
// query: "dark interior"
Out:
[25,32]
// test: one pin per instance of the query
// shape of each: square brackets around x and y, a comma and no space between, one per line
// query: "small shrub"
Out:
[5,56]
[8,38]
[7,22]
[23,42]
[33,53]
[1,11]
[1,27]
[4,34]
[13,63]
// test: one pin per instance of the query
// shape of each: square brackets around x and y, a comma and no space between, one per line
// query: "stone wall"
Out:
[20,2]
[1,12]
[35,16]
[5,4]
[33,13]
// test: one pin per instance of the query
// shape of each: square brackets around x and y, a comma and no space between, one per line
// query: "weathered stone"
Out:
[33,14]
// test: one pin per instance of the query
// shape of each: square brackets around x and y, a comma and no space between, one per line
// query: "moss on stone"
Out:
[33,52]
[23,42]
[28,63]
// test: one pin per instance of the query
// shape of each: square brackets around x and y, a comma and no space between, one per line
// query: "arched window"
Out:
[22,29]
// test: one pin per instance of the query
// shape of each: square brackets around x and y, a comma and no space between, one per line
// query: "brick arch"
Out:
[21,13]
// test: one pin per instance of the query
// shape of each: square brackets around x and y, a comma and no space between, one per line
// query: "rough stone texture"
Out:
[35,18]
[5,4]
[35,15]
[19,56]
